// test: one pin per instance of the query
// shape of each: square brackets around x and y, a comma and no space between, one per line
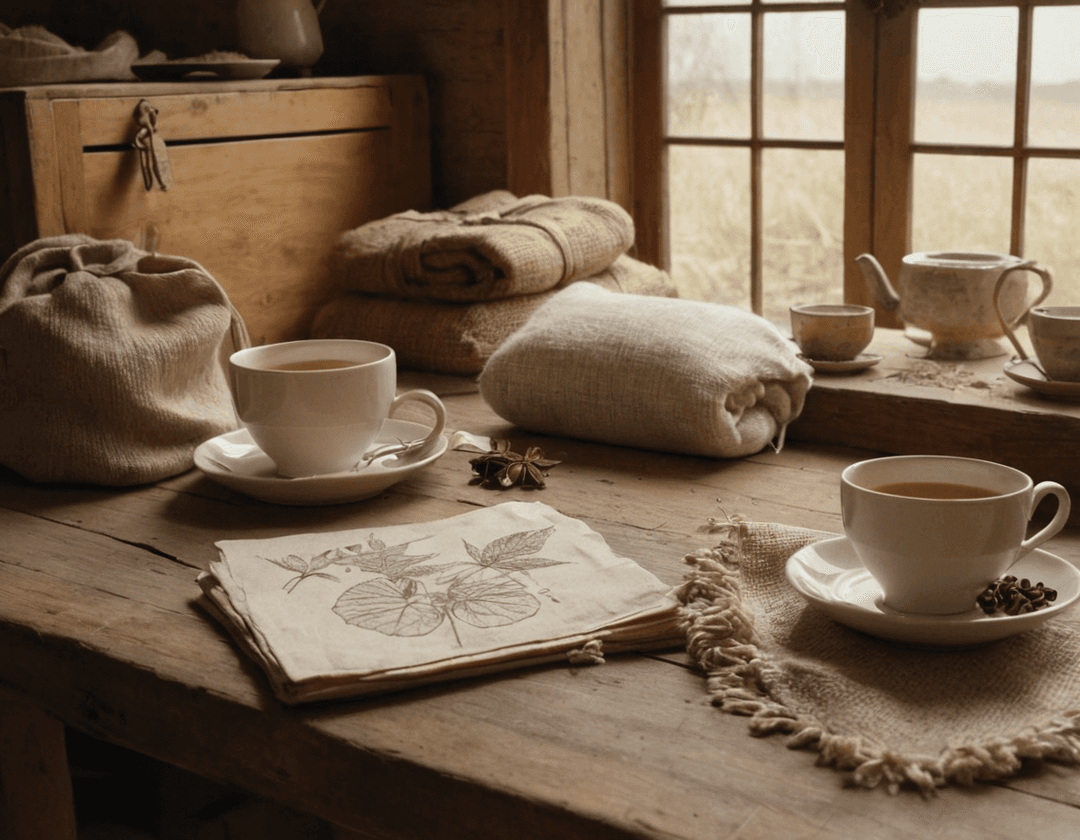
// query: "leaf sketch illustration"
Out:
[405,607]
[391,561]
[391,607]
[510,554]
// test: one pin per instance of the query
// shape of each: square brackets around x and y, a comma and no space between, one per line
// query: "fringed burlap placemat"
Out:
[887,713]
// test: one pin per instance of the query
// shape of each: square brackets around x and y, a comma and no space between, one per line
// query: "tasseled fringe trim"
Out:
[721,640]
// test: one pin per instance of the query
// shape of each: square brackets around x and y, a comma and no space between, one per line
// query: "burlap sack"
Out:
[31,55]
[459,338]
[111,361]
[653,373]
[491,247]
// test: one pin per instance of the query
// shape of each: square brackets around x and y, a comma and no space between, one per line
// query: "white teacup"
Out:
[931,550]
[316,406]
[1055,335]
[832,332]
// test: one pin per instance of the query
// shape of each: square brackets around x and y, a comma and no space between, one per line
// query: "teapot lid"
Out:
[962,259]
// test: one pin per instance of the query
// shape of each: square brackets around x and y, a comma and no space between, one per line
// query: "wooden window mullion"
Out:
[757,65]
[1023,106]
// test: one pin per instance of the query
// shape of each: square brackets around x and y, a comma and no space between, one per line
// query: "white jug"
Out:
[284,29]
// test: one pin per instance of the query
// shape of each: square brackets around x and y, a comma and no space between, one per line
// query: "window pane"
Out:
[708,84]
[709,218]
[1054,119]
[966,76]
[804,75]
[961,203]
[803,220]
[1053,217]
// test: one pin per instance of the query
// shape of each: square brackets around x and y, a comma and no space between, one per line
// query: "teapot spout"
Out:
[885,296]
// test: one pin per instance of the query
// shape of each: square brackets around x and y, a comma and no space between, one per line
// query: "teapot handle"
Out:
[1047,285]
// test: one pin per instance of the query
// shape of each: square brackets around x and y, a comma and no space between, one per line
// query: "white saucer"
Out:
[1028,373]
[830,575]
[860,362]
[235,461]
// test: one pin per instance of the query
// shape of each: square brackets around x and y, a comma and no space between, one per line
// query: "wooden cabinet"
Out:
[266,175]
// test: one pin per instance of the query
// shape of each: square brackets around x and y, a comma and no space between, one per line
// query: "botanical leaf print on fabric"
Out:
[406,608]
[377,557]
[482,591]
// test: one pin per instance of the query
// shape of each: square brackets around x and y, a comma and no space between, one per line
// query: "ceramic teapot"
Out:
[284,29]
[951,295]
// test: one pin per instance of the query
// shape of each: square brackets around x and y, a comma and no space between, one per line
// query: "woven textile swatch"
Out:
[350,613]
[888,713]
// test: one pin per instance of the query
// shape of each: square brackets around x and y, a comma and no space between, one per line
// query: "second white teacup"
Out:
[1055,335]
[316,406]
[832,332]
[935,530]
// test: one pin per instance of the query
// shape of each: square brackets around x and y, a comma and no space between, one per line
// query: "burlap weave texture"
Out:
[492,247]
[887,713]
[112,361]
[458,338]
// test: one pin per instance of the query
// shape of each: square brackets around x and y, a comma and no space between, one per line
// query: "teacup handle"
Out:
[1061,516]
[1047,283]
[435,404]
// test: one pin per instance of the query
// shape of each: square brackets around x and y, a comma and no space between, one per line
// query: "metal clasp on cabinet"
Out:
[153,157]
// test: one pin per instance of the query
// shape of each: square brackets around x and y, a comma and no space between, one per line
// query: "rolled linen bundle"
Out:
[653,373]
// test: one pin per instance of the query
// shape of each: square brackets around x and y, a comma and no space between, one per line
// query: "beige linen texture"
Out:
[654,373]
[888,714]
[491,247]
[113,361]
[458,338]
[368,611]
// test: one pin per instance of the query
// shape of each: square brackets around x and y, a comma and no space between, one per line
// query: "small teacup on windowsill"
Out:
[832,332]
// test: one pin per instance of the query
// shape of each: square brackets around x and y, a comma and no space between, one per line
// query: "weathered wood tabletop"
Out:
[101,630]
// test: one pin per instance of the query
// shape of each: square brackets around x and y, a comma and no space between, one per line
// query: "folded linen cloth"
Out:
[376,610]
[654,373]
[886,713]
[493,246]
[458,338]
[31,55]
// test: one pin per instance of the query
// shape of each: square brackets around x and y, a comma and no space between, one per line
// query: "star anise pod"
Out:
[491,463]
[506,468]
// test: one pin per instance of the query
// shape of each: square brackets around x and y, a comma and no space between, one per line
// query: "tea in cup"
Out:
[935,530]
[832,332]
[316,406]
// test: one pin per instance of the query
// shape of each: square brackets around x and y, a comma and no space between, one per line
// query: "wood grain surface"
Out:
[101,627]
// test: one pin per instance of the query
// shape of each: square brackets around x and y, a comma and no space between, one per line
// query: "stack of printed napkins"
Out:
[382,609]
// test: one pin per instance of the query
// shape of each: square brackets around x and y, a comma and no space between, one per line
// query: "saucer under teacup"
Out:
[829,575]
[233,460]
[1028,373]
[860,362]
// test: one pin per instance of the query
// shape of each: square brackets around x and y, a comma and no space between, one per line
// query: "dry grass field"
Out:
[960,203]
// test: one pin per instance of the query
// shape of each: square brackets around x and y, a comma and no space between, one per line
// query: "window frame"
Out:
[879,145]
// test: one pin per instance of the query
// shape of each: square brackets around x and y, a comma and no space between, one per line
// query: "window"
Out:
[796,135]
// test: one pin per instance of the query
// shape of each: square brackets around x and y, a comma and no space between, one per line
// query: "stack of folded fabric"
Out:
[350,613]
[445,289]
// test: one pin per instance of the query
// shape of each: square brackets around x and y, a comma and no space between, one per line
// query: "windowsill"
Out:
[910,405]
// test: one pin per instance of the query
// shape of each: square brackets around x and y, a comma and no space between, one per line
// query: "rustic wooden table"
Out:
[100,630]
